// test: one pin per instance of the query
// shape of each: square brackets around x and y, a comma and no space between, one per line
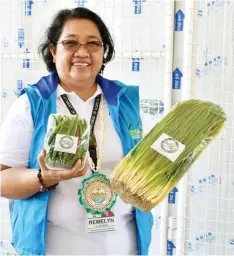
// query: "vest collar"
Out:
[111,90]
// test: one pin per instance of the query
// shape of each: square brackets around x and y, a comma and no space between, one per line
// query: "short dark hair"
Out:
[54,31]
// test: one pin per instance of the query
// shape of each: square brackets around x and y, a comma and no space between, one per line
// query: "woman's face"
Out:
[78,65]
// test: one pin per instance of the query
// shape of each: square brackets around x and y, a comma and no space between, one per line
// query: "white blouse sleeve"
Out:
[16,134]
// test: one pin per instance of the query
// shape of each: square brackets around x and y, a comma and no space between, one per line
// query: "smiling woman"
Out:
[77,67]
[76,48]
[47,215]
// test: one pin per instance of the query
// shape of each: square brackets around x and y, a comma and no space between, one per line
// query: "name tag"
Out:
[101,222]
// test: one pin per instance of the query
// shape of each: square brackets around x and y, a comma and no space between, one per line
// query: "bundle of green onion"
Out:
[148,173]
[66,141]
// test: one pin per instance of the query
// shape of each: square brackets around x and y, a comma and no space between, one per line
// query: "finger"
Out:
[81,168]
[85,165]
[53,175]
[81,173]
[84,170]
[41,160]
[76,171]
[69,174]
[77,166]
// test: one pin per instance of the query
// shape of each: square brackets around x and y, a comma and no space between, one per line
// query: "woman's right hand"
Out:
[51,177]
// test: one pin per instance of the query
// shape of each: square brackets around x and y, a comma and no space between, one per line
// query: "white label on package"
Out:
[66,143]
[168,147]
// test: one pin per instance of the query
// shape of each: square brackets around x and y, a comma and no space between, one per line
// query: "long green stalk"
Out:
[145,175]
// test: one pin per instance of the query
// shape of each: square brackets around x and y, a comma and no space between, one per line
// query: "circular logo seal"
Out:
[169,145]
[96,194]
[66,142]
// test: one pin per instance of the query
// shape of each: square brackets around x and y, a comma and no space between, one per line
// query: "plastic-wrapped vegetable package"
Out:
[159,161]
[66,141]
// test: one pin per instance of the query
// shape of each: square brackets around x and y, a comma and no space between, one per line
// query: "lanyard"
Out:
[92,148]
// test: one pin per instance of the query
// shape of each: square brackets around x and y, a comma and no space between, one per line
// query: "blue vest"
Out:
[29,216]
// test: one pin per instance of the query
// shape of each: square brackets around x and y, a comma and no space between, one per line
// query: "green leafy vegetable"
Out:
[71,126]
[145,177]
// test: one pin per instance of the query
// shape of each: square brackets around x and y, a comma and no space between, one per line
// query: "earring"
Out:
[53,60]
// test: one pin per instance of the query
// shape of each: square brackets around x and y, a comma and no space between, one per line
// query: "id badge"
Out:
[101,222]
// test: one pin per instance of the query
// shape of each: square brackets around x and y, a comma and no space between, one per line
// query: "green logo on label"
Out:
[169,145]
[66,142]
[136,133]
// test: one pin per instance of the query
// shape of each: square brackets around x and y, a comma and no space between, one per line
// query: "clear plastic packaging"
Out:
[66,141]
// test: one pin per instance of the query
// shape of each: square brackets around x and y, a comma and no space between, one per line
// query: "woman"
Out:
[48,219]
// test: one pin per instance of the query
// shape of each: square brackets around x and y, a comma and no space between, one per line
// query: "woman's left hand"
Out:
[51,177]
